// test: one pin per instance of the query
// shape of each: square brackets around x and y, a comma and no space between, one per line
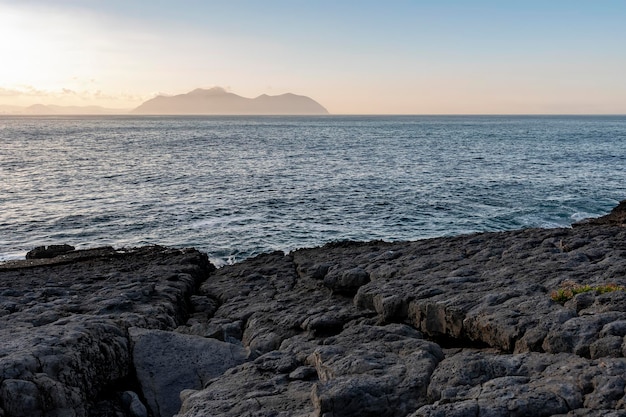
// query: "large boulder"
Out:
[166,363]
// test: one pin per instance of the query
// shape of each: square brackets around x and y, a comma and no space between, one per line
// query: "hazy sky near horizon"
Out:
[373,57]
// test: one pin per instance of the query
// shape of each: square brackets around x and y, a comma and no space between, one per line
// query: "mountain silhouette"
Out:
[218,101]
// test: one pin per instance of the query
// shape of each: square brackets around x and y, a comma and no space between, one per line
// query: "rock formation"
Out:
[472,325]
[218,101]
[167,363]
[42,252]
[64,324]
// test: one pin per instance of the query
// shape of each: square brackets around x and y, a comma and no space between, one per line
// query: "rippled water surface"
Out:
[238,186]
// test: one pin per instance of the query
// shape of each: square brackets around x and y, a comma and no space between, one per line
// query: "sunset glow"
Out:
[353,57]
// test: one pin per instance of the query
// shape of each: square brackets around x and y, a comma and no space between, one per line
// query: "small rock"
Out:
[320,270]
[20,398]
[133,404]
[42,252]
[347,282]
[304,373]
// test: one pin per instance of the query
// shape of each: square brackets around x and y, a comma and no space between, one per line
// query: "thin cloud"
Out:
[61,95]
[22,91]
[8,92]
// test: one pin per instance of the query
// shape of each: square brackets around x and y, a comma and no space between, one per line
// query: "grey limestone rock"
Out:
[455,326]
[364,370]
[166,363]
[373,371]
[133,404]
[347,282]
[64,342]
[41,252]
[475,382]
[509,348]
[251,389]
[21,398]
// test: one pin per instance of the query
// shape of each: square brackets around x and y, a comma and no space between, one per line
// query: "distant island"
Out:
[220,102]
[213,101]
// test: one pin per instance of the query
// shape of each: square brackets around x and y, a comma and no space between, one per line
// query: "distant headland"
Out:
[213,101]
[218,101]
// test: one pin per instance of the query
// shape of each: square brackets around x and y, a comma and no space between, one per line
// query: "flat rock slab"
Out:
[166,363]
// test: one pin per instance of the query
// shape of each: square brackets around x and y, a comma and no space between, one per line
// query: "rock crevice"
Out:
[65,323]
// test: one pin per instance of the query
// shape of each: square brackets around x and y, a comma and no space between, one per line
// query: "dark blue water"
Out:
[238,186]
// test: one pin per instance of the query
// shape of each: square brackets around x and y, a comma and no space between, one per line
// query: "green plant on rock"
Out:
[569,289]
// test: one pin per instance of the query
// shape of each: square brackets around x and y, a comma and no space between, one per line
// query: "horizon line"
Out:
[128,113]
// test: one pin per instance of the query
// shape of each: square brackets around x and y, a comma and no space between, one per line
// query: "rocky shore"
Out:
[522,323]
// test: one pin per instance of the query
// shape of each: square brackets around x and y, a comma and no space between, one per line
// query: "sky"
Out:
[354,57]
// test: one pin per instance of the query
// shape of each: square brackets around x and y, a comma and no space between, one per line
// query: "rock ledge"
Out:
[459,326]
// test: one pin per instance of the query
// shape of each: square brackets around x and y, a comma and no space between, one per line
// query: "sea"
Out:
[235,187]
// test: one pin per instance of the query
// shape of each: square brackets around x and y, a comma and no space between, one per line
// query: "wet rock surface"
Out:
[460,326]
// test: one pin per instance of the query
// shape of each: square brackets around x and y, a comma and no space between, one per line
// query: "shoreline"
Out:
[459,326]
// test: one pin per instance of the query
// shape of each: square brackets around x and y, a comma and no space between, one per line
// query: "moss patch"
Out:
[569,289]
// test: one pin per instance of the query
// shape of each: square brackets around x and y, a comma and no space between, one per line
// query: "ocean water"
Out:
[238,186]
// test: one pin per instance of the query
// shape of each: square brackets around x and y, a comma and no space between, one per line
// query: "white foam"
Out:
[12,256]
[221,221]
[581,215]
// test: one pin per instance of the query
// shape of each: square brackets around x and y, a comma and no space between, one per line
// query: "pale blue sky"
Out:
[352,56]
